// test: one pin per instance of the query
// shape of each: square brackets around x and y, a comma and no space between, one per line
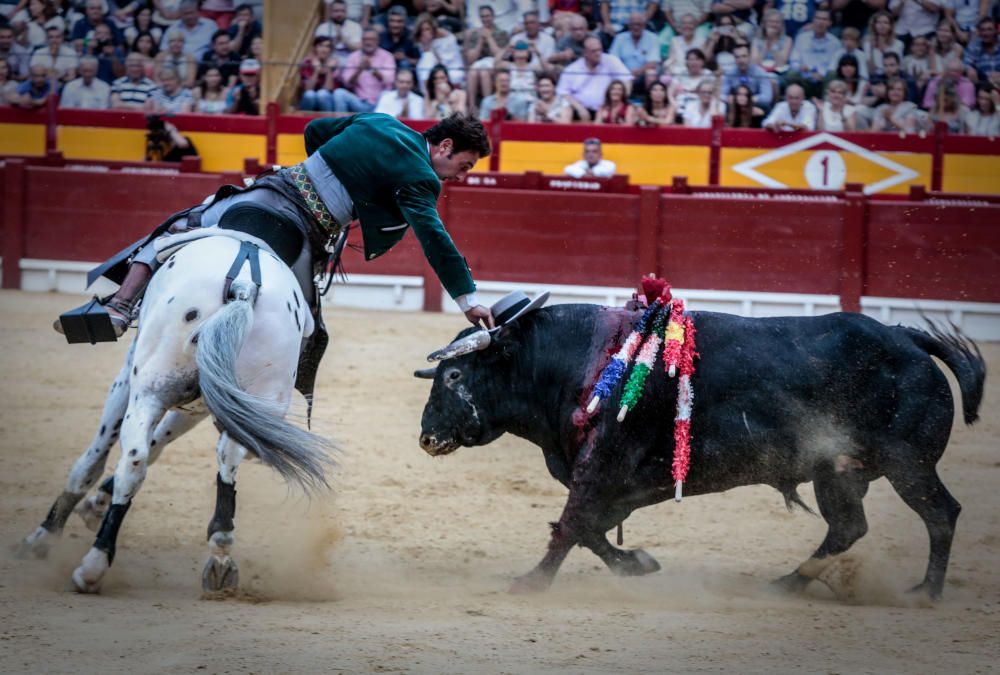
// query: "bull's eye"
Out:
[454,375]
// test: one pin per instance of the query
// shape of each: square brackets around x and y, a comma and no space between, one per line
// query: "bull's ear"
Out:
[425,373]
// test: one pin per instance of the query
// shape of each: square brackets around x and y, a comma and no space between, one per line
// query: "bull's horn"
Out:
[470,343]
[425,373]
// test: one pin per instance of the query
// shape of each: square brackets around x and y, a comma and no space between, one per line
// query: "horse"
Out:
[206,343]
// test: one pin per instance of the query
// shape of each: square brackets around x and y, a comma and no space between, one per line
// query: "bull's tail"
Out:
[962,356]
[256,423]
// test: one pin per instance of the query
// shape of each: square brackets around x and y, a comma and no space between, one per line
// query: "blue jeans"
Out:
[346,101]
[320,99]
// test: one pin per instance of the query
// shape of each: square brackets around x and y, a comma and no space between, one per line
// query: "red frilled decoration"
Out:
[685,403]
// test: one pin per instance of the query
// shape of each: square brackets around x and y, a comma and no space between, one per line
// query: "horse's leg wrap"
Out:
[220,570]
[107,536]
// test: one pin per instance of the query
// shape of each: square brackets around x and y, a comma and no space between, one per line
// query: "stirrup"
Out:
[93,322]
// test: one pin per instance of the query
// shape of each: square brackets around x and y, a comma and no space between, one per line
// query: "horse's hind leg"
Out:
[87,469]
[220,570]
[174,424]
[143,414]
[839,496]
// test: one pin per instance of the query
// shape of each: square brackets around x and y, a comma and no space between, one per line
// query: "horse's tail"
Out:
[256,423]
[963,358]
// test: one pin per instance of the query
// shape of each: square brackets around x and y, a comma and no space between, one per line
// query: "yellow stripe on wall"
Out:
[979,174]
[226,152]
[22,139]
[644,164]
[118,145]
[291,149]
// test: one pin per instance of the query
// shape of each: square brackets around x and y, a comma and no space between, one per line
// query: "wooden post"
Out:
[649,230]
[937,161]
[852,266]
[13,206]
[496,131]
[52,123]
[273,110]
[715,151]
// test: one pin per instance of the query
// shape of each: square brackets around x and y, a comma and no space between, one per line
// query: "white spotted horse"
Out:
[207,343]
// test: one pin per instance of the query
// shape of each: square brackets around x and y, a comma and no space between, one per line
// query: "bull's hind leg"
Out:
[87,469]
[143,414]
[922,490]
[220,570]
[839,496]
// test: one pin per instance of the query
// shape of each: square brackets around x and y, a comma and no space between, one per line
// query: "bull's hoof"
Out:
[635,563]
[926,588]
[532,582]
[792,583]
[220,574]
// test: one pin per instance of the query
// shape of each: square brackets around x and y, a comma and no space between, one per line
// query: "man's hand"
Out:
[480,313]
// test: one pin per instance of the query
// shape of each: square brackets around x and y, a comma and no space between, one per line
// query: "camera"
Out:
[157,138]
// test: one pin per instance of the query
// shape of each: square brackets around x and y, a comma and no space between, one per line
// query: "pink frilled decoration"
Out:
[685,402]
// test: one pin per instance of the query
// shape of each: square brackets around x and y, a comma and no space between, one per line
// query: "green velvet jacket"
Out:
[386,168]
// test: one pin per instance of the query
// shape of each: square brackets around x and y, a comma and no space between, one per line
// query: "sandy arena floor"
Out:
[405,566]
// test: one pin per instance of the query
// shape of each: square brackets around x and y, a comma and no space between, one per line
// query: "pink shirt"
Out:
[966,92]
[368,87]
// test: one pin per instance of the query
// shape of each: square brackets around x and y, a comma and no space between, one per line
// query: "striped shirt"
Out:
[181,101]
[134,93]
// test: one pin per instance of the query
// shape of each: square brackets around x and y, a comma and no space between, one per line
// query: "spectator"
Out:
[37,18]
[549,106]
[740,10]
[522,74]
[795,113]
[682,45]
[17,55]
[361,11]
[8,85]
[593,165]
[177,58]
[847,73]
[915,17]
[222,57]
[797,14]
[318,72]
[401,101]
[244,98]
[170,98]
[897,114]
[483,47]
[656,110]
[636,47]
[222,12]
[983,55]
[443,98]
[345,35]
[58,59]
[131,91]
[917,65]
[945,44]
[87,91]
[749,75]
[721,42]
[856,13]
[197,30]
[110,57]
[569,47]
[850,45]
[812,54]
[771,48]
[963,16]
[145,44]
[367,73]
[164,143]
[211,95]
[541,44]
[955,76]
[983,119]
[561,16]
[880,39]
[34,92]
[396,40]
[586,80]
[514,105]
[504,15]
[948,109]
[446,13]
[437,47]
[83,29]
[143,23]
[615,14]
[836,112]
[165,12]
[256,49]
[244,29]
[698,113]
[684,87]
[742,111]
[616,108]
[674,12]
[891,64]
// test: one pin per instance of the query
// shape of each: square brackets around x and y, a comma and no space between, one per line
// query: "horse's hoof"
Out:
[792,583]
[532,582]
[92,513]
[220,574]
[35,545]
[636,564]
[84,585]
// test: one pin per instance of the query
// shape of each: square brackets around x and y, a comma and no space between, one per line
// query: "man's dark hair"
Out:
[219,33]
[984,21]
[467,133]
[891,55]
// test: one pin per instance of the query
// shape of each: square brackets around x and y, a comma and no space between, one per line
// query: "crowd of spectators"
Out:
[157,56]
[784,65]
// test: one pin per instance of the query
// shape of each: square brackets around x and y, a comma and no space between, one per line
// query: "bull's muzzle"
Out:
[436,447]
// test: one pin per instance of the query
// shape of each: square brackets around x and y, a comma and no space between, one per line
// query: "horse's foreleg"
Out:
[87,469]
[220,570]
[174,424]
[143,414]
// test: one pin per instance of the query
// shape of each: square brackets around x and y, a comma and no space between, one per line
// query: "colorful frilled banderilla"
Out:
[644,362]
[619,363]
[685,402]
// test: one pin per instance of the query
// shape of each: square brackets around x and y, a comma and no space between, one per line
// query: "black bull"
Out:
[839,400]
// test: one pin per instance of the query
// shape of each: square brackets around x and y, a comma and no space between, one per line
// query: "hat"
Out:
[513,305]
[521,44]
[250,66]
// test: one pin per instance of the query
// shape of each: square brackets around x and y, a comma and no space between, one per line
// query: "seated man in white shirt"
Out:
[795,113]
[401,102]
[592,165]
[86,92]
